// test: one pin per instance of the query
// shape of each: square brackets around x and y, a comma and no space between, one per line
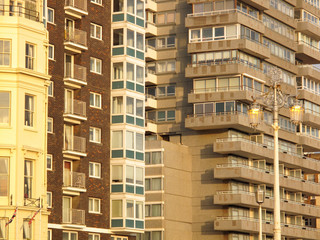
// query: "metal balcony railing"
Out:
[28,11]
[73,216]
[77,108]
[77,144]
[79,4]
[76,72]
[74,179]
[76,36]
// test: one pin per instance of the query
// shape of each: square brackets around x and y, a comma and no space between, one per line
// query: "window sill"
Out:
[96,107]
[31,129]
[5,126]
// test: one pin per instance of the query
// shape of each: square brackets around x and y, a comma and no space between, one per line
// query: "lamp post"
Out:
[275,99]
[260,199]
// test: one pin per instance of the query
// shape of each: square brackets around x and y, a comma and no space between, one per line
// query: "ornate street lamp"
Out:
[275,99]
[260,195]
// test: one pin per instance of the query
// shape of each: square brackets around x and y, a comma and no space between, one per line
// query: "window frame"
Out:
[69,234]
[53,14]
[30,178]
[94,236]
[49,199]
[30,111]
[95,27]
[50,156]
[96,135]
[97,2]
[50,123]
[94,94]
[26,226]
[50,89]
[8,108]
[51,57]
[7,175]
[91,208]
[93,164]
[150,184]
[6,53]
[95,62]
[30,59]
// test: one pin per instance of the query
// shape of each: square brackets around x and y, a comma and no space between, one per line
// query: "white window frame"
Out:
[69,234]
[49,56]
[3,53]
[30,59]
[95,62]
[48,20]
[49,199]
[27,229]
[94,236]
[95,175]
[49,234]
[8,108]
[94,201]
[50,156]
[96,135]
[50,122]
[95,27]
[119,238]
[95,105]
[31,111]
[98,2]
[6,175]
[50,89]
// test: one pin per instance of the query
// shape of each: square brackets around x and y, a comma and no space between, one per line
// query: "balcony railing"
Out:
[76,36]
[228,11]
[80,4]
[73,216]
[226,89]
[74,179]
[78,144]
[309,45]
[77,108]
[76,72]
[20,11]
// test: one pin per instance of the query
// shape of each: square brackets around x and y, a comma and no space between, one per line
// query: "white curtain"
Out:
[117,105]
[129,174]
[116,208]
[117,140]
[130,209]
[117,173]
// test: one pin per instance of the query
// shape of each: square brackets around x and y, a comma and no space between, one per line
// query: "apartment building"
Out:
[79,135]
[23,118]
[206,62]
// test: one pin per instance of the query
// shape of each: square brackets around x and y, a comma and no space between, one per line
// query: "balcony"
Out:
[151,54]
[76,146]
[151,78]
[151,29]
[307,53]
[244,44]
[311,118]
[151,5]
[75,40]
[75,112]
[309,71]
[251,174]
[76,8]
[14,10]
[151,102]
[71,217]
[250,149]
[235,120]
[75,76]
[308,28]
[73,183]
[258,4]
[151,126]
[251,225]
[220,67]
[224,17]
[247,199]
[309,143]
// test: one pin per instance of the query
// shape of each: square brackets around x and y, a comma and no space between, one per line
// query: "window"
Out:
[99,2]
[153,158]
[49,234]
[29,111]
[50,89]
[154,210]
[161,116]
[139,210]
[94,205]
[94,170]
[166,18]
[51,52]
[30,56]
[5,52]
[117,139]
[28,178]
[95,100]
[154,235]
[162,91]
[95,135]
[166,66]
[95,65]
[49,199]
[69,236]
[118,238]
[117,105]
[118,6]
[93,236]
[95,31]
[50,125]
[117,37]
[116,208]
[117,174]
[50,15]
[117,71]
[4,107]
[153,184]
[49,161]
[27,229]
[4,177]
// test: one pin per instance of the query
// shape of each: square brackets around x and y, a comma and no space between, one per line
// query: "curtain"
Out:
[129,174]
[117,105]
[130,6]
[129,140]
[139,210]
[116,208]
[130,209]
[130,71]
[139,77]
[117,139]
[139,176]
[130,38]
[156,184]
[156,210]
[117,173]
[130,105]
[139,141]
[139,108]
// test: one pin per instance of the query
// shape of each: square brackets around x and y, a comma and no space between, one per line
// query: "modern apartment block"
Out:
[23,118]
[79,181]
[206,62]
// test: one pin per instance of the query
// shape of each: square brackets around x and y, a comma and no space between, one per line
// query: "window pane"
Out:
[139,77]
[139,141]
[130,105]
[129,174]
[156,184]
[116,208]
[130,211]
[117,139]
[139,176]
[130,38]
[139,110]
[129,140]
[117,173]
[156,158]
[140,41]
[117,105]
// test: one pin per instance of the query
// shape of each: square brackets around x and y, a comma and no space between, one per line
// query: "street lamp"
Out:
[275,99]
[260,199]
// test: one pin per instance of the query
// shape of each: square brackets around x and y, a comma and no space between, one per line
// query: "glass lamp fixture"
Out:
[296,112]
[255,114]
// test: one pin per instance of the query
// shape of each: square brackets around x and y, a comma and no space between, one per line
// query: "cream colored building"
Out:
[23,119]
